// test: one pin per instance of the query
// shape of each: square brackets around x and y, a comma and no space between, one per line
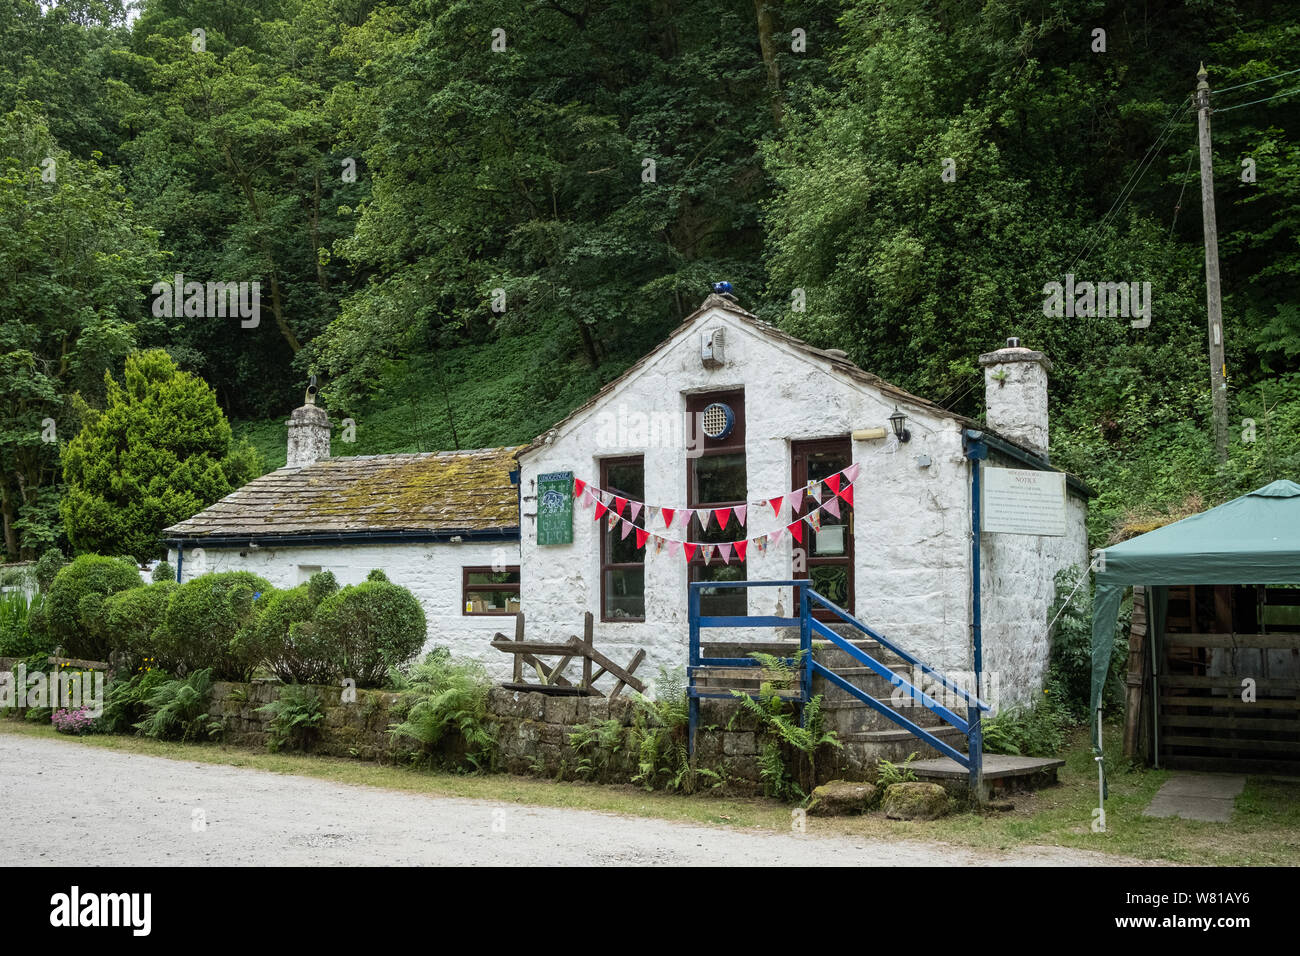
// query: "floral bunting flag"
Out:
[740,550]
[814,490]
[634,509]
[740,511]
[612,521]
[650,515]
[815,519]
[703,515]
[761,543]
[659,543]
[722,514]
[708,553]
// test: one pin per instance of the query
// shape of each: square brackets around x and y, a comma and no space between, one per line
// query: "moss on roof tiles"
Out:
[442,491]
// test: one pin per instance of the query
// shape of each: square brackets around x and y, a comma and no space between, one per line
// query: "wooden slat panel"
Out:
[1245,765]
[1230,703]
[1231,745]
[1233,640]
[1263,683]
[1234,722]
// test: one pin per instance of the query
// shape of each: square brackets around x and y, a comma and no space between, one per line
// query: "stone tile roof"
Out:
[437,492]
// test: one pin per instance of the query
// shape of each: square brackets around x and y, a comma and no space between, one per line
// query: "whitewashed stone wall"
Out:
[1017,575]
[911,523]
[432,571]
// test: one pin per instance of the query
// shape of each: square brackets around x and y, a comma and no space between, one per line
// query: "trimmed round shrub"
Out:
[74,610]
[132,620]
[162,571]
[209,624]
[371,627]
[288,640]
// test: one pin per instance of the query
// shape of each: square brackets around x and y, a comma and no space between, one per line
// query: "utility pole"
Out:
[1214,304]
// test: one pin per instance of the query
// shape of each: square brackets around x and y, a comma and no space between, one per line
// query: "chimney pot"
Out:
[309,435]
[1015,394]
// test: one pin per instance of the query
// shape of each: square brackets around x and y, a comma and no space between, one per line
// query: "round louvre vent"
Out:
[717,421]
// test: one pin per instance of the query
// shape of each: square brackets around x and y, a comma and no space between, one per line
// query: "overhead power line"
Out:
[1262,79]
[1237,106]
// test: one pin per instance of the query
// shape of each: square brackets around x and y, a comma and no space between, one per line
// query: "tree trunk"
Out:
[766,27]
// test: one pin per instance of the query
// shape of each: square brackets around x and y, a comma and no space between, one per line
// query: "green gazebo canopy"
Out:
[1254,539]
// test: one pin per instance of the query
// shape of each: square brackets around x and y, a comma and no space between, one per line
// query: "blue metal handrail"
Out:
[808,625]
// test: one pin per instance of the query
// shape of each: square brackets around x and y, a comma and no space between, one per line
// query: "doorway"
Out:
[826,555]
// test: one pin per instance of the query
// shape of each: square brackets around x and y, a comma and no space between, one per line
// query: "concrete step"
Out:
[1002,774]
[855,716]
[859,753]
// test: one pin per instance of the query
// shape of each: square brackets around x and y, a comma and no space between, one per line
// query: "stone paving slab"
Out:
[1198,796]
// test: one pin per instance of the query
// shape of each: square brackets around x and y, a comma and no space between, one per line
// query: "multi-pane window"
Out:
[622,563]
[490,591]
[826,555]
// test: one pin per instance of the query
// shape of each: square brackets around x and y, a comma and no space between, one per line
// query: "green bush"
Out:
[162,571]
[74,611]
[371,627]
[47,567]
[1070,668]
[178,709]
[1039,730]
[288,640]
[132,620]
[210,624]
[448,713]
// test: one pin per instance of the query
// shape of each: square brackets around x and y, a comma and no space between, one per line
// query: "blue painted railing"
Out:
[808,625]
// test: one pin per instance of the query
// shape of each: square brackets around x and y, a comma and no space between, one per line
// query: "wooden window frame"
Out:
[733,444]
[604,532]
[798,479]
[466,589]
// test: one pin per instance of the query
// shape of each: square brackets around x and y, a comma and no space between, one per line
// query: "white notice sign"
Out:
[1019,501]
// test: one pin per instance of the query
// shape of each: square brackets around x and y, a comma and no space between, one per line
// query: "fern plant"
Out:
[598,746]
[448,713]
[178,709]
[778,722]
[888,772]
[296,715]
[125,702]
[659,736]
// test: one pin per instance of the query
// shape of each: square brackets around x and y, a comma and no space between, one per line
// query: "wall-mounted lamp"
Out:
[898,420]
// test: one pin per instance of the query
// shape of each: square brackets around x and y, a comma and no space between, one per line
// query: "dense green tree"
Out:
[159,452]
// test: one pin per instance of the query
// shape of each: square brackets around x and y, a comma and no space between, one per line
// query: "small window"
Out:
[486,591]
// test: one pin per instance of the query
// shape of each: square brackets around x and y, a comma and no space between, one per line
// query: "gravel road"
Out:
[127,809]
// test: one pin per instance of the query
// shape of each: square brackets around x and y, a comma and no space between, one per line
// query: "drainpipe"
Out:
[180,561]
[977,451]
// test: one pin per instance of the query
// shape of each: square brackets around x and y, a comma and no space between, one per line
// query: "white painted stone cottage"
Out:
[726,415]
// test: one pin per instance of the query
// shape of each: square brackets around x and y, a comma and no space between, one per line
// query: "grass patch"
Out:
[1265,829]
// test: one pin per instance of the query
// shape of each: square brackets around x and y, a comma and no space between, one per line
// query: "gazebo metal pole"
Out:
[1155,690]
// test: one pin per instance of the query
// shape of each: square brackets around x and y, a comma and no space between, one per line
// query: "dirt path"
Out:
[120,809]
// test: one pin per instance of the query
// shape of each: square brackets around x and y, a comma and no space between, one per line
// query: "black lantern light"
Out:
[899,421]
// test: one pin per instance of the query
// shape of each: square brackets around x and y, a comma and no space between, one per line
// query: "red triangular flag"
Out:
[619,504]
[689,549]
[833,483]
[600,509]
[776,506]
[578,485]
[796,531]
[847,493]
[640,538]
[668,516]
[722,514]
[740,550]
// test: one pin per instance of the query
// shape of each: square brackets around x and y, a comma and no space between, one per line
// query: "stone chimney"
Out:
[309,432]
[1015,394]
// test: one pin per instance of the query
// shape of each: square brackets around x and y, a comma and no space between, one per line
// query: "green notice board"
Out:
[555,508]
